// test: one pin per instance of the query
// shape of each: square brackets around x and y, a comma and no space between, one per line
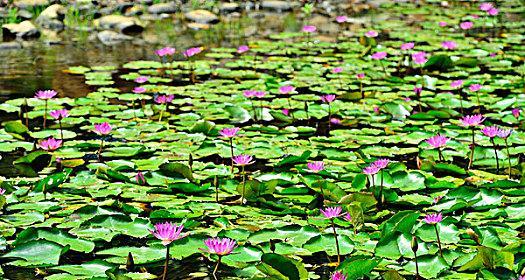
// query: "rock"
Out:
[52,17]
[275,5]
[163,8]
[229,8]
[134,11]
[201,16]
[29,4]
[24,14]
[198,26]
[10,46]
[109,37]
[123,7]
[24,30]
[123,24]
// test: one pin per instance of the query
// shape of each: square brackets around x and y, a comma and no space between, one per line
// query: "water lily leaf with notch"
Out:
[292,159]
[190,187]
[429,266]
[177,168]
[448,232]
[279,267]
[52,181]
[255,188]
[141,255]
[57,236]
[292,234]
[36,160]
[96,268]
[123,151]
[326,243]
[358,266]
[15,127]
[402,221]
[439,62]
[122,224]
[36,253]
[489,258]
[242,256]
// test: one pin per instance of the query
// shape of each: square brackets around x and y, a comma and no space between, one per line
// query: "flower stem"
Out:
[160,116]
[383,66]
[166,263]
[361,90]
[380,195]
[508,156]
[336,243]
[45,114]
[438,240]
[243,184]
[417,266]
[440,155]
[217,267]
[101,146]
[495,153]
[61,130]
[231,150]
[472,150]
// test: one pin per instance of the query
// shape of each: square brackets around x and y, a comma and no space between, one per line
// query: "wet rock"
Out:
[202,16]
[163,8]
[278,6]
[324,24]
[24,30]
[24,14]
[110,37]
[29,4]
[123,24]
[198,26]
[10,46]
[52,17]
[229,8]
[123,7]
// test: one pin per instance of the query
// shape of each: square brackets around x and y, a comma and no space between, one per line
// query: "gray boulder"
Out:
[275,5]
[163,8]
[52,17]
[202,16]
[123,24]
[110,37]
[24,30]
[29,4]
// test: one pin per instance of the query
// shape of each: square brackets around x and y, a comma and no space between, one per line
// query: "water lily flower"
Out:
[442,23]
[243,160]
[456,84]
[220,247]
[407,46]
[449,45]
[242,49]
[165,51]
[371,34]
[286,89]
[329,98]
[2,191]
[315,166]
[139,90]
[490,131]
[103,128]
[504,133]
[437,141]
[285,112]
[418,90]
[347,217]
[376,109]
[229,132]
[341,19]
[419,57]
[45,94]
[516,112]
[50,144]
[337,70]
[379,55]
[338,275]
[493,12]
[475,87]
[472,120]
[466,25]
[59,114]
[163,99]
[139,178]
[433,218]
[381,163]
[141,79]
[332,212]
[260,93]
[192,51]
[248,93]
[309,28]
[360,75]
[370,170]
[485,6]
[335,121]
[167,232]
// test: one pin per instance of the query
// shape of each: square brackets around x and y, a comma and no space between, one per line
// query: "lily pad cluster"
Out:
[315,159]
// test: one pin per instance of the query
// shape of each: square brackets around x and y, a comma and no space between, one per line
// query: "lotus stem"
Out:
[508,156]
[254,111]
[166,263]
[261,109]
[417,265]
[61,130]
[383,66]
[336,243]
[361,90]
[217,267]
[438,240]
[380,196]
[243,184]
[160,116]
[440,155]
[472,147]
[45,114]
[460,100]
[231,150]
[495,153]
[101,146]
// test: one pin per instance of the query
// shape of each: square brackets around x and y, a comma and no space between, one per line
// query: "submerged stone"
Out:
[24,30]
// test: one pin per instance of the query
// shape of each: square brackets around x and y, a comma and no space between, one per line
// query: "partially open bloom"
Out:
[248,93]
[260,93]
[466,25]
[139,90]
[2,191]
[456,84]
[381,163]
[442,23]
[474,87]
[59,114]
[379,55]
[504,133]
[220,246]
[347,217]
[167,232]
[242,160]
[103,128]
[337,70]
[335,121]
[371,170]
[493,12]
[341,19]
[437,141]
[419,57]
[472,120]
[490,131]
[139,178]
[309,28]
[516,112]
[165,51]
[360,76]
[418,90]
[332,212]
[449,45]
[371,34]
[50,144]
[286,89]
[243,49]
[45,94]
[485,6]
[163,99]
[315,166]
[338,275]
[407,46]
[329,98]
[229,132]
[191,52]
[433,218]
[141,79]
[285,112]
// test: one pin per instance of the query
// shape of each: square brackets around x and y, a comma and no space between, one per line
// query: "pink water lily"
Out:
[103,128]
[338,275]
[493,12]
[229,132]
[504,133]
[485,6]
[242,160]
[141,79]
[315,166]
[139,90]
[50,144]
[140,179]
[285,112]
[45,94]
[379,55]
[192,51]
[59,114]
[165,51]
[381,163]
[516,112]
[2,191]
[221,247]
[167,232]
[442,23]
[449,45]
[164,99]
[490,131]
[407,46]
[329,98]
[332,212]
[371,34]
[371,170]
[466,25]
[335,121]
[286,89]
[456,84]
[337,70]
[475,87]
[419,57]
[309,29]
[341,19]
[472,120]
[433,218]
[437,141]
[242,49]
[360,75]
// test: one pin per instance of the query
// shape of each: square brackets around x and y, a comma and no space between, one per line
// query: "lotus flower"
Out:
[419,57]
[309,28]
[59,114]
[50,144]
[442,23]
[418,90]
[347,217]
[437,141]
[379,55]
[164,99]
[165,51]
[371,34]
[315,166]
[243,49]
[472,120]
[139,90]
[221,247]
[332,212]
[381,163]
[338,275]
[449,45]
[433,218]
[337,70]
[191,52]
[103,128]
[490,131]
[285,112]
[456,84]
[2,191]
[229,132]
[139,178]
[141,79]
[466,25]
[485,6]
[242,160]
[475,87]
[370,170]
[286,89]
[407,46]
[493,12]
[341,19]
[260,93]
[167,232]
[329,98]
[516,112]
[360,75]
[335,121]
[45,94]
[504,133]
